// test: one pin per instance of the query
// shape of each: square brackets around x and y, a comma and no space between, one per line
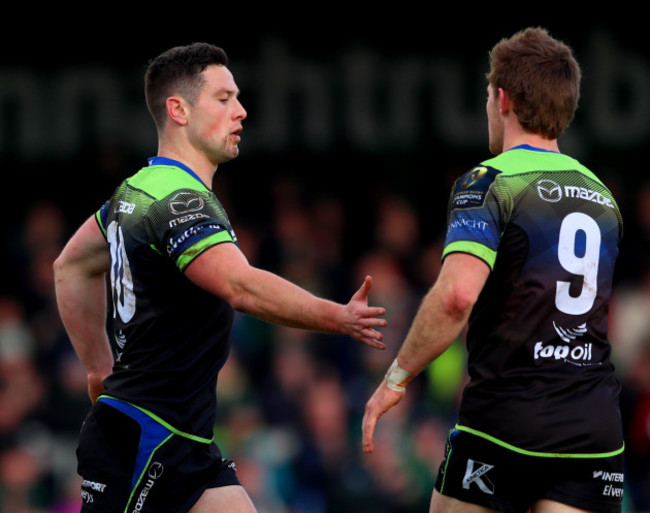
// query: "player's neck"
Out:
[513,138]
[196,161]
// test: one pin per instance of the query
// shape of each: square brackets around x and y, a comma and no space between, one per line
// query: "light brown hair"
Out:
[541,77]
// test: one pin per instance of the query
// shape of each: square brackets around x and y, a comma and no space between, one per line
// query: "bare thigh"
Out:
[444,504]
[548,506]
[232,499]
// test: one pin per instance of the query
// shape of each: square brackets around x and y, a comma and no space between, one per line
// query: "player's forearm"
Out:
[272,298]
[439,320]
[224,271]
[82,306]
[444,311]
[79,280]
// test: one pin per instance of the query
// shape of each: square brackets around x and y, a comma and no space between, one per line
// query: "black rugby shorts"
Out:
[479,471]
[129,462]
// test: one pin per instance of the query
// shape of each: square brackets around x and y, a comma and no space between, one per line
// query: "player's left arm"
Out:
[440,318]
[79,279]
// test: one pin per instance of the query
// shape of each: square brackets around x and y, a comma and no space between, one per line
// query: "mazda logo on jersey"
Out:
[550,191]
[185,202]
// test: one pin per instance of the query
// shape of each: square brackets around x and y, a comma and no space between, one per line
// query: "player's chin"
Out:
[234,151]
[227,156]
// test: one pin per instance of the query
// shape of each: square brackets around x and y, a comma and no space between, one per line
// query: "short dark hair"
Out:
[178,71]
[542,78]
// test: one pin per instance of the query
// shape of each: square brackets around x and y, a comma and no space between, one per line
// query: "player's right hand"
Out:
[381,401]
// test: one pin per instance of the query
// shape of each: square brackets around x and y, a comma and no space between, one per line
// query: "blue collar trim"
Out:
[531,148]
[165,161]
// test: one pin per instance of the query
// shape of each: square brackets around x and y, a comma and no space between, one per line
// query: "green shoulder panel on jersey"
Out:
[522,160]
[159,181]
[516,163]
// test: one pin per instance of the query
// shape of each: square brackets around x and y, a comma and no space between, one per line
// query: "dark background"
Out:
[343,98]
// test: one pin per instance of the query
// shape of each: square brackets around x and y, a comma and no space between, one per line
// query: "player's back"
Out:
[539,357]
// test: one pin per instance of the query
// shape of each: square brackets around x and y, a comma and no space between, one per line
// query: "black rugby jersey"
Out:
[171,336]
[541,379]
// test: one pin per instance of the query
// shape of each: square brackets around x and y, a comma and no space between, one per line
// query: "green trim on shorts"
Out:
[447,460]
[539,454]
[160,421]
[144,470]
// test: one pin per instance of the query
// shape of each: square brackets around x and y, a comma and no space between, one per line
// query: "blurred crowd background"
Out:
[345,171]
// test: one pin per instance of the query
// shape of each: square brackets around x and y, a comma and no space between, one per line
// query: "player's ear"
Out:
[176,110]
[504,101]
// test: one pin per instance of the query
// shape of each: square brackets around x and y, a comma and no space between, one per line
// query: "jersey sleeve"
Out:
[101,216]
[186,223]
[476,215]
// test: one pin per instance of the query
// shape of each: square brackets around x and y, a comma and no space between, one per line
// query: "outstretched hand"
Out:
[381,401]
[360,320]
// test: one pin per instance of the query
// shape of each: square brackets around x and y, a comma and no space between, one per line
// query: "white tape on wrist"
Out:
[396,377]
